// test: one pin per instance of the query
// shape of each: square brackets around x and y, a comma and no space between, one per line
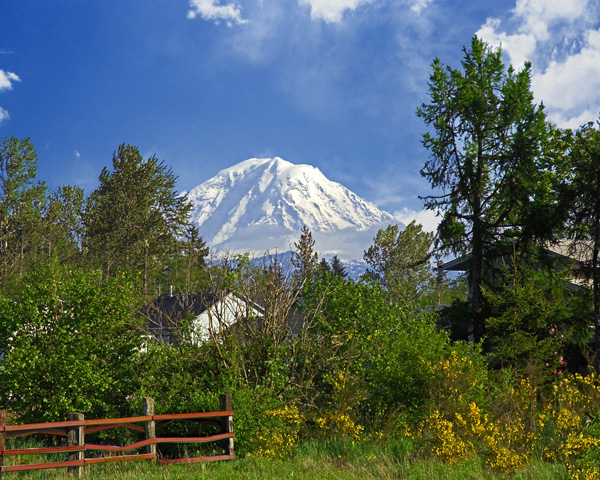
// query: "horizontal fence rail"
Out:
[76,428]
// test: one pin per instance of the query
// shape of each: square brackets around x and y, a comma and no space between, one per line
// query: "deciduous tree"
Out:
[63,223]
[70,343]
[399,260]
[22,200]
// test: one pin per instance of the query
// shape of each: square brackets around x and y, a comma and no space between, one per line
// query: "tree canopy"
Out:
[70,343]
[485,144]
[134,219]
[399,260]
[22,200]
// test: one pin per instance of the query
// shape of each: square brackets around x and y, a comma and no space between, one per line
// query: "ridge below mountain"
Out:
[261,204]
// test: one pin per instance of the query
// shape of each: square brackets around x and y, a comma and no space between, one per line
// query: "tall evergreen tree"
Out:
[487,140]
[324,266]
[337,267]
[186,269]
[304,259]
[135,218]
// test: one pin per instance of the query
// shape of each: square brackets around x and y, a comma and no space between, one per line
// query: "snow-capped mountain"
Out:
[261,205]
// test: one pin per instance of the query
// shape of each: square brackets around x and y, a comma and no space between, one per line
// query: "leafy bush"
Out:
[70,343]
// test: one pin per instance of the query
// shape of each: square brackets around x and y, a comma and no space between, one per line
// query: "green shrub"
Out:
[71,343]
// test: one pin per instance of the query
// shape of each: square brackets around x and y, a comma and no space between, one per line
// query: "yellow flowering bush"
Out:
[505,447]
[572,416]
[448,444]
[458,380]
[347,392]
[458,428]
[340,424]
[570,421]
[508,446]
[581,455]
[281,440]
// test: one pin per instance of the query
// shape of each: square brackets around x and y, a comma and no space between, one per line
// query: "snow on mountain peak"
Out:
[262,203]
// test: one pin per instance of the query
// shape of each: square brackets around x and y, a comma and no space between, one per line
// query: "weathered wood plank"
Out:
[211,438]
[117,421]
[130,426]
[118,448]
[43,426]
[120,458]
[32,451]
[213,458]
[189,416]
[41,466]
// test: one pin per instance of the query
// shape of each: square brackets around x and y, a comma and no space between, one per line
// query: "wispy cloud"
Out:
[427,218]
[212,10]
[419,5]
[332,10]
[7,79]
[3,115]
[562,40]
[266,32]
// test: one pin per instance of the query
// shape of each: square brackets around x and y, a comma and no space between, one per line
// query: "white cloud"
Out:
[537,13]
[572,86]
[332,10]
[562,40]
[426,218]
[267,31]
[3,115]
[212,10]
[7,79]
[520,47]
[420,5]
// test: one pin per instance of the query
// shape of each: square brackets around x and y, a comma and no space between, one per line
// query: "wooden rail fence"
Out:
[76,428]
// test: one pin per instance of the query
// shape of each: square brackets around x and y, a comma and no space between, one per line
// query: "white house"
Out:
[197,316]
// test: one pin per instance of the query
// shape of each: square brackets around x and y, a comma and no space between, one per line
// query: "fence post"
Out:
[76,437]
[150,425]
[3,419]
[227,423]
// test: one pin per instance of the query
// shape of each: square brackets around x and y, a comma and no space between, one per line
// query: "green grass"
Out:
[302,468]
[334,460]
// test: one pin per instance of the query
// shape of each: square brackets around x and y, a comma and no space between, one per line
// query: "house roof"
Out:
[578,252]
[172,307]
[460,264]
[574,253]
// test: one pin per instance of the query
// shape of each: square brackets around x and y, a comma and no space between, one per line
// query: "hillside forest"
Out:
[499,363]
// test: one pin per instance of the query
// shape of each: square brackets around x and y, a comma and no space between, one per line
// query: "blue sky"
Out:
[205,84]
